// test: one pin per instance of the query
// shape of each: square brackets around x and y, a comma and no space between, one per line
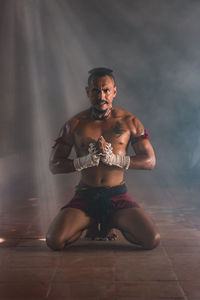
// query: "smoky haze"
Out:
[46,50]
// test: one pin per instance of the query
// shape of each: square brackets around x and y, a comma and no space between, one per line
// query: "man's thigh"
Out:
[69,222]
[135,224]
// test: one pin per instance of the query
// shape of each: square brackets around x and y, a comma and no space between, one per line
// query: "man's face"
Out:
[101,92]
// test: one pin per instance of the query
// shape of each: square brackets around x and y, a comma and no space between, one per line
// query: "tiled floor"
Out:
[101,270]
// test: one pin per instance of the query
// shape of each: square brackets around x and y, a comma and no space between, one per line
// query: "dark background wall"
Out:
[46,49]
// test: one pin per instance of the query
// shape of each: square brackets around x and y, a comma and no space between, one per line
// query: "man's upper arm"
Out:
[139,139]
[64,143]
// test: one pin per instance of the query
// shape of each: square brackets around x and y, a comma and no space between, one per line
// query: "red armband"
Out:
[141,137]
[60,140]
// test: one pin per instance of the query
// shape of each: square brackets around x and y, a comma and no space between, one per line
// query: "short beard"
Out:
[100,114]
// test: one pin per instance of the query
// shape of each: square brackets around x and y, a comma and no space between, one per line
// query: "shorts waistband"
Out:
[83,186]
[99,192]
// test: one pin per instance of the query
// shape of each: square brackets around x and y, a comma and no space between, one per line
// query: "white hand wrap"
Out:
[90,160]
[111,159]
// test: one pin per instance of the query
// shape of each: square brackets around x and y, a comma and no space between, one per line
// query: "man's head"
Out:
[101,91]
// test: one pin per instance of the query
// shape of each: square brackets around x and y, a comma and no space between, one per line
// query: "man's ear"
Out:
[87,90]
[115,91]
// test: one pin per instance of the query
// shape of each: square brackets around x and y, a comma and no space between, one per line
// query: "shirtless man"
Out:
[100,136]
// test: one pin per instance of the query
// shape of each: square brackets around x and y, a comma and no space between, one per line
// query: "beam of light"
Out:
[46,185]
[44,54]
[8,68]
[42,239]
[2,240]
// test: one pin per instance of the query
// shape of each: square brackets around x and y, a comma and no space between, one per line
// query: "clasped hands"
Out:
[101,151]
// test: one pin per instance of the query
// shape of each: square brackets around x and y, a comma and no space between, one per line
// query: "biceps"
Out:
[144,147]
[59,153]
[63,144]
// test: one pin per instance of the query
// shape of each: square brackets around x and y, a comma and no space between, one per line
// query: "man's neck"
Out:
[100,115]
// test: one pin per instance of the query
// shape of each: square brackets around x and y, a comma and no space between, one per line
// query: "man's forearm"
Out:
[142,162]
[62,165]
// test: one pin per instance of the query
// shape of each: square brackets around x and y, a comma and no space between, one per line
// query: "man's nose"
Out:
[101,95]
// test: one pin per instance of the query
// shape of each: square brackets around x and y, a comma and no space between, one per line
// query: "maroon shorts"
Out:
[117,196]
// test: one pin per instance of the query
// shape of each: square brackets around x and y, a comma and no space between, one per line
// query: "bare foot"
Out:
[110,236]
[92,231]
[93,234]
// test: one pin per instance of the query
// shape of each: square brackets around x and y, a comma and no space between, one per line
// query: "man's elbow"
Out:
[151,163]
[53,167]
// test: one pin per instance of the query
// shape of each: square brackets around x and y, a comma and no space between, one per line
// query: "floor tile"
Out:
[175,251]
[18,261]
[84,274]
[84,290]
[191,289]
[20,291]
[146,270]
[186,266]
[149,289]
[84,261]
[25,275]
[178,242]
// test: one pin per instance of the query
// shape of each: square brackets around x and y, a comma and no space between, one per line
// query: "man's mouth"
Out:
[101,102]
[101,105]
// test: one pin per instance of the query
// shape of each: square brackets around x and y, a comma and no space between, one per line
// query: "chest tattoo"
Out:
[118,128]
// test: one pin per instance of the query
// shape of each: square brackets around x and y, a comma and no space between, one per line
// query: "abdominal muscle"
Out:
[102,176]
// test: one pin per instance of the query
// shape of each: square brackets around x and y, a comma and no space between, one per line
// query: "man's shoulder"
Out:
[131,120]
[123,114]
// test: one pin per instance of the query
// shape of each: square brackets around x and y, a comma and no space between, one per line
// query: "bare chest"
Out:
[115,132]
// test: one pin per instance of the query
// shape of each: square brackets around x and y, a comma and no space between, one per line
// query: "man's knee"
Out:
[152,242]
[55,243]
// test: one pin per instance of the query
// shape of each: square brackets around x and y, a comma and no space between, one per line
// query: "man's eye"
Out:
[106,90]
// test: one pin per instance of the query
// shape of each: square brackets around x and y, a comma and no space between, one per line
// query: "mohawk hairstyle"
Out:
[100,72]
